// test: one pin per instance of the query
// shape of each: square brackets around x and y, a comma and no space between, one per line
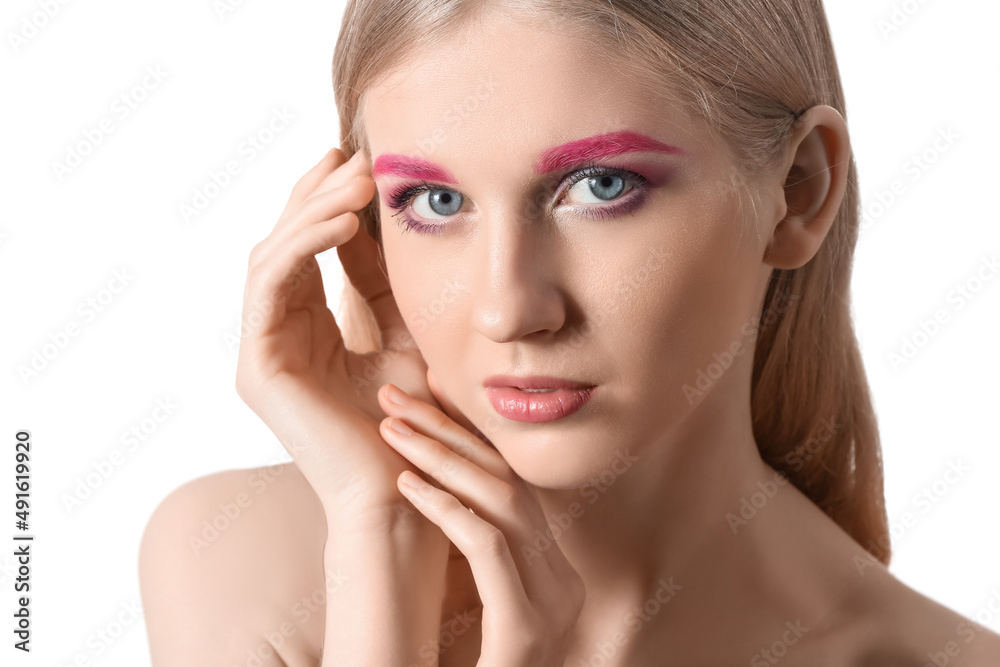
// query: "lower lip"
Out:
[537,407]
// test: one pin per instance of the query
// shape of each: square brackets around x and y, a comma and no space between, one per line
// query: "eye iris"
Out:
[606,187]
[445,202]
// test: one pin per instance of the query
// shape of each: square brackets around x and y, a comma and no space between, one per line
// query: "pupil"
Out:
[607,187]
[444,202]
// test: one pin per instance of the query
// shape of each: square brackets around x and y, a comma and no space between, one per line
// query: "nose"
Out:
[518,287]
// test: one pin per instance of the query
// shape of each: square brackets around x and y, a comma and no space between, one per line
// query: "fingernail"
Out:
[395,394]
[398,426]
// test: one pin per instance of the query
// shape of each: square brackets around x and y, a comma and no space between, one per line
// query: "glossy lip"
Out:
[534,382]
[534,408]
[507,398]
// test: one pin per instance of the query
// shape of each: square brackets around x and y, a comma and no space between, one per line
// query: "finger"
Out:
[356,165]
[452,410]
[485,547]
[349,194]
[363,263]
[349,197]
[508,506]
[271,283]
[526,523]
[325,175]
[473,485]
[431,422]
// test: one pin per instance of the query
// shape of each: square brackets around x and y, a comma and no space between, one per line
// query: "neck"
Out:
[695,525]
[651,514]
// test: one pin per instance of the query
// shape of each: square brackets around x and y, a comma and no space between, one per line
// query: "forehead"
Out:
[518,89]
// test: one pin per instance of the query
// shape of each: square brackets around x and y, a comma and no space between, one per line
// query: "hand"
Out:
[531,602]
[294,370]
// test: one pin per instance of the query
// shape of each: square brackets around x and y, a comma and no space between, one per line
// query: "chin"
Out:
[562,456]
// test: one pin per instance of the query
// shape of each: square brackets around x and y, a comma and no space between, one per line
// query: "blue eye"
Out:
[592,184]
[444,203]
[604,188]
[604,183]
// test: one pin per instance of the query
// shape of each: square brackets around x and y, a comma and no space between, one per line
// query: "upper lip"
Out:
[534,382]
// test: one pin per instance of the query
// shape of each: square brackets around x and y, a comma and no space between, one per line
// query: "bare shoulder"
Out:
[231,569]
[900,627]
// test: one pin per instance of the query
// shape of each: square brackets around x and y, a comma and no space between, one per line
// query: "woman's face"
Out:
[570,223]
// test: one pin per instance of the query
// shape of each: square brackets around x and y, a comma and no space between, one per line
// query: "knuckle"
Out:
[302,187]
[320,202]
[494,544]
[464,449]
[310,180]
[245,386]
[260,277]
[307,208]
[438,420]
[448,505]
[256,254]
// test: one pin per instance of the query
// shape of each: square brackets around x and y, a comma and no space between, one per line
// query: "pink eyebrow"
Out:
[391,164]
[602,145]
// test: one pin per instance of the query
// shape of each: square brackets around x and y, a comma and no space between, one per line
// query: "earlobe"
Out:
[814,184]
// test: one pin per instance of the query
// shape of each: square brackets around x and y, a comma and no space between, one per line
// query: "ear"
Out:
[815,179]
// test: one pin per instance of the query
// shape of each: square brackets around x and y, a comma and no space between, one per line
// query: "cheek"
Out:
[683,302]
[431,297]
[409,285]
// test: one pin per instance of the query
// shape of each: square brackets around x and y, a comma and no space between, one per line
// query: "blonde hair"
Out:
[749,68]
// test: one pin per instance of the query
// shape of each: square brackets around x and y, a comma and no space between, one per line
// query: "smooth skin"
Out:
[334,546]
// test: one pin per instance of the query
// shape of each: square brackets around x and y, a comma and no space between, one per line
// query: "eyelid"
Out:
[592,169]
[402,197]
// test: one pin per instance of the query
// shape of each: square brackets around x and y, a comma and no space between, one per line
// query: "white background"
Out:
[169,334]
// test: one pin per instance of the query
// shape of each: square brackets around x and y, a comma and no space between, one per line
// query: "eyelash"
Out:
[401,198]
